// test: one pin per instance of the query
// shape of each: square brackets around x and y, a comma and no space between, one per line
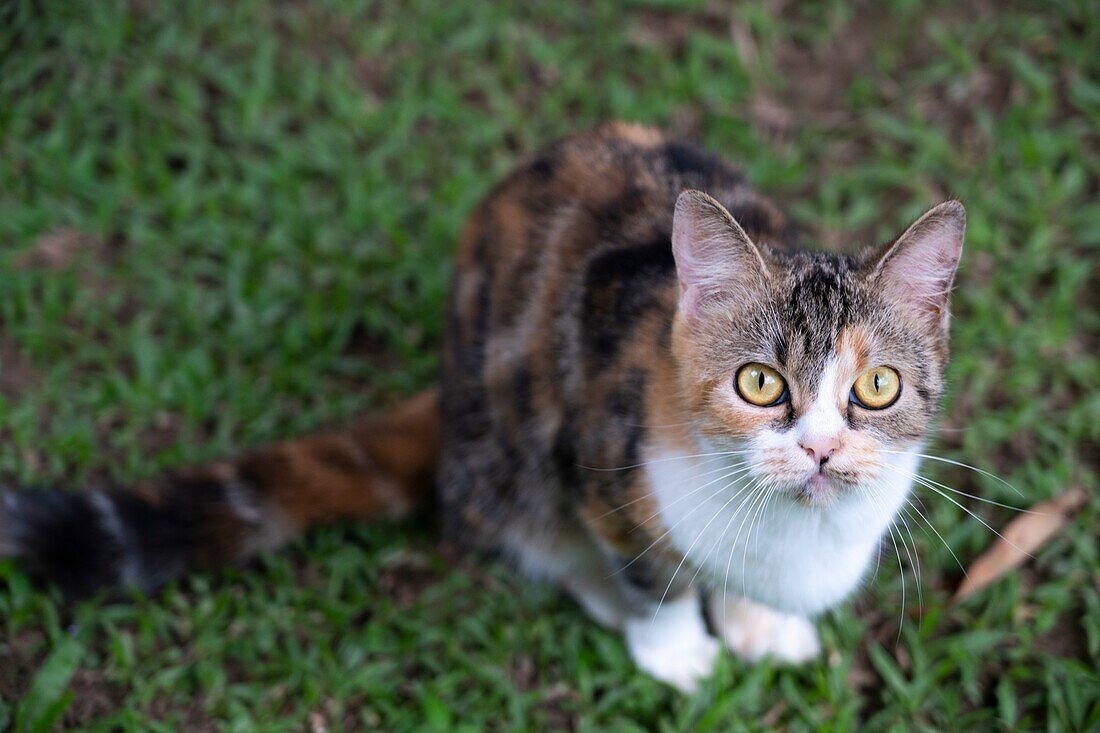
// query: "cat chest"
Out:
[745,540]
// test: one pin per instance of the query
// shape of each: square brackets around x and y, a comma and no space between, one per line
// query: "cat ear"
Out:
[919,267]
[713,254]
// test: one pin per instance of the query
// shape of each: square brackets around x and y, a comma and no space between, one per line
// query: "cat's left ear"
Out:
[919,266]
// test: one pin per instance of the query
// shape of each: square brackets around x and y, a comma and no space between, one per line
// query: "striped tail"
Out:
[229,511]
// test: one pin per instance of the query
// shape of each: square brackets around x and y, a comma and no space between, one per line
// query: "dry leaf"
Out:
[1022,536]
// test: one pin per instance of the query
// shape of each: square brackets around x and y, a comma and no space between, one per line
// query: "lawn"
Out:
[226,223]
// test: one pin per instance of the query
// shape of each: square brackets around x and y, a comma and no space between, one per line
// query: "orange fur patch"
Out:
[382,467]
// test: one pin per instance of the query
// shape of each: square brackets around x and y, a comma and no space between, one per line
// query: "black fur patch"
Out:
[685,159]
[90,540]
[544,166]
[620,286]
[521,386]
[62,539]
[564,451]
[819,305]
[161,541]
[626,408]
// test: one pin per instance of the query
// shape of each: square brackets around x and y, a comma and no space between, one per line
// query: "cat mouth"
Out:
[819,490]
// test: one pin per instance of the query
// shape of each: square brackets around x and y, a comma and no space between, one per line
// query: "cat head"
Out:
[817,366]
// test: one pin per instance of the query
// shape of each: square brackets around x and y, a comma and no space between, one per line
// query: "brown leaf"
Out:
[1022,536]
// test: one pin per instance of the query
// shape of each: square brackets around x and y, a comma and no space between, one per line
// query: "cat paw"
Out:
[673,646]
[752,632]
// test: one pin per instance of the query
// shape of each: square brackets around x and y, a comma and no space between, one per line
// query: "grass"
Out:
[228,223]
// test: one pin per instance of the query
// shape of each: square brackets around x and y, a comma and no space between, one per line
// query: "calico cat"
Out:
[649,395]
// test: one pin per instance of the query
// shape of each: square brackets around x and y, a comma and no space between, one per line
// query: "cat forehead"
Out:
[827,371]
[821,313]
[813,301]
[815,308]
[797,318]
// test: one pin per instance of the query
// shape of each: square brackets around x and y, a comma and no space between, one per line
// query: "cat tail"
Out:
[383,467]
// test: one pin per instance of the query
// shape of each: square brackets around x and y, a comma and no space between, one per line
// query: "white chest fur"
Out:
[757,543]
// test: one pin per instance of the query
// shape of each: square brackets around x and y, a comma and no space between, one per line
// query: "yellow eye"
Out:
[760,385]
[877,388]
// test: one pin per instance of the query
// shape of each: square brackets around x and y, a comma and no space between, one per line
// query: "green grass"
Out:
[227,223]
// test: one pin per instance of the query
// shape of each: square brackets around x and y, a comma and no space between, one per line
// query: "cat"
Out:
[649,395]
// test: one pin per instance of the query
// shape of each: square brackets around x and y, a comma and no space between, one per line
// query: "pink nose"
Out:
[819,449]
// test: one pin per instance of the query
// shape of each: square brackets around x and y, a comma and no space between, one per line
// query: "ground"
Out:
[225,223]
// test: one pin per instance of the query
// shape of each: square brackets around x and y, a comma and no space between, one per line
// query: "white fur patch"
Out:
[269,528]
[752,631]
[822,419]
[242,502]
[758,542]
[673,645]
[129,565]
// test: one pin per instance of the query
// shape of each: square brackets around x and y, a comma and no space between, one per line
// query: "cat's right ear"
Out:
[714,256]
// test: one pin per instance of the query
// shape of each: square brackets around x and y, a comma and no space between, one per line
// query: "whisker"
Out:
[757,495]
[914,562]
[766,498]
[909,513]
[687,553]
[926,483]
[878,563]
[758,486]
[741,469]
[878,556]
[662,460]
[718,540]
[748,537]
[937,532]
[901,568]
[648,494]
[970,496]
[668,531]
[955,463]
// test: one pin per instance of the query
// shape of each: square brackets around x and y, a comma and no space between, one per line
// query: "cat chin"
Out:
[821,491]
[818,492]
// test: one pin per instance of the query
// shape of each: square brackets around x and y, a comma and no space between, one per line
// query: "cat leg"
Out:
[672,643]
[668,641]
[665,630]
[572,559]
[752,631]
[600,596]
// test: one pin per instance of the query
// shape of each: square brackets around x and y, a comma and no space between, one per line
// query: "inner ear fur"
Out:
[714,256]
[918,268]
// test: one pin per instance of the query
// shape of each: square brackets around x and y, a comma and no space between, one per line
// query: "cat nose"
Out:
[819,449]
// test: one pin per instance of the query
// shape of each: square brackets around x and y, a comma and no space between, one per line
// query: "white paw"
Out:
[752,631]
[673,646]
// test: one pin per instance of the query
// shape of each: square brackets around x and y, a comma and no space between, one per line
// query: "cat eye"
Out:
[760,385]
[877,389]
